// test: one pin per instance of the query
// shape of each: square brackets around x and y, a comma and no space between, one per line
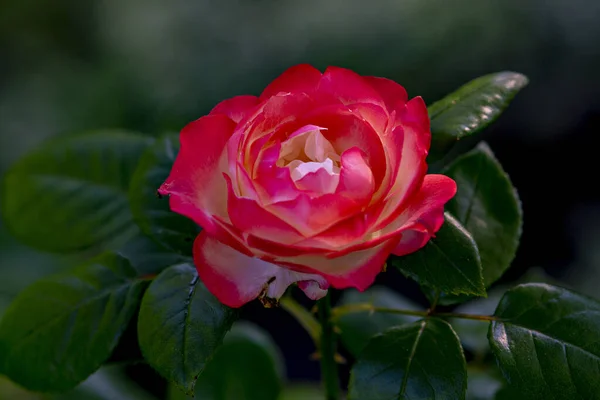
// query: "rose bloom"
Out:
[314,182]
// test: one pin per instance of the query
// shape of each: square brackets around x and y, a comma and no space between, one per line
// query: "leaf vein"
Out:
[410,358]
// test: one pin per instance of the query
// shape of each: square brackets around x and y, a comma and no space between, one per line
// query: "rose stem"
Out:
[329,370]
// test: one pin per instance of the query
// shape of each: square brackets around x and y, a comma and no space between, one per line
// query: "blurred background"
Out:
[69,66]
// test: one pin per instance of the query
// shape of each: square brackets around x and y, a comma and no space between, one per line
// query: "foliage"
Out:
[94,195]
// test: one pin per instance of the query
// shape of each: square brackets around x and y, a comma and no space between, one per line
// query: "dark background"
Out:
[152,66]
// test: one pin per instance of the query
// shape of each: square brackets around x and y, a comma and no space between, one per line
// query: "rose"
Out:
[316,182]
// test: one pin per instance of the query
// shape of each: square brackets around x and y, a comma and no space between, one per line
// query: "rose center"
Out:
[306,151]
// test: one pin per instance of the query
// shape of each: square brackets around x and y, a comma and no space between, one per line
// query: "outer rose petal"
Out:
[236,108]
[414,225]
[196,185]
[413,165]
[413,239]
[348,86]
[424,215]
[376,115]
[357,269]
[236,279]
[393,94]
[300,78]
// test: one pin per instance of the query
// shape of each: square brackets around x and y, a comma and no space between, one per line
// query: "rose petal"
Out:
[196,185]
[413,165]
[356,179]
[416,113]
[393,94]
[300,78]
[376,115]
[348,86]
[236,279]
[319,181]
[413,239]
[312,215]
[245,184]
[415,225]
[273,183]
[357,269]
[276,117]
[346,129]
[236,108]
[252,219]
[424,213]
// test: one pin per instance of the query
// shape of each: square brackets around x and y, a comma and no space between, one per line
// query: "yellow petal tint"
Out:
[307,151]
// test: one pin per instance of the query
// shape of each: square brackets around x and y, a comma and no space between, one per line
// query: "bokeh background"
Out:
[69,66]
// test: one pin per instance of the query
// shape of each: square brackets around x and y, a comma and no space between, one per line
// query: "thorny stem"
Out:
[329,371]
[337,312]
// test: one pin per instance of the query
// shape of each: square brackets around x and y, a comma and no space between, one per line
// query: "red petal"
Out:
[425,212]
[300,78]
[393,94]
[414,128]
[357,269]
[236,108]
[348,86]
[274,183]
[195,184]
[252,219]
[236,279]
[313,215]
[356,179]
[413,240]
[374,114]
[424,215]
[277,114]
[416,113]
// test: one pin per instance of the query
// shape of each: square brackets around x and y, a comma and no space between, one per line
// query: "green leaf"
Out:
[472,333]
[181,325]
[149,257]
[60,330]
[488,206]
[421,360]
[247,366]
[357,328]
[471,108]
[152,213]
[546,342]
[71,194]
[449,262]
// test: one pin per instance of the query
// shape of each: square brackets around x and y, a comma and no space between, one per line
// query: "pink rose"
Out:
[315,182]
